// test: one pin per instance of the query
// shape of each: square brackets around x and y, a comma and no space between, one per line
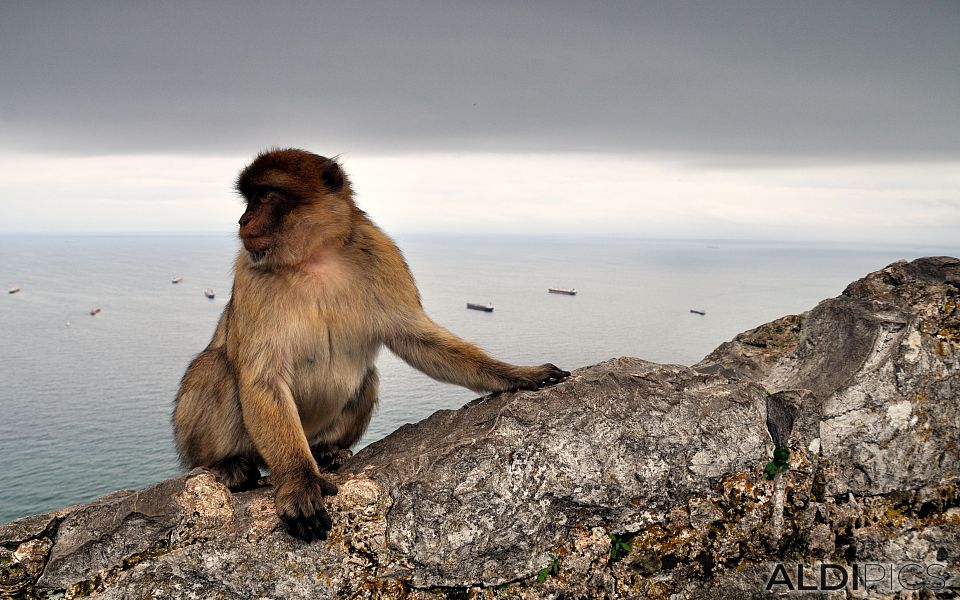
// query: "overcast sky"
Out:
[784,120]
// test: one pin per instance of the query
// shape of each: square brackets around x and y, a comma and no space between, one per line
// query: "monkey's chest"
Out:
[321,343]
[328,368]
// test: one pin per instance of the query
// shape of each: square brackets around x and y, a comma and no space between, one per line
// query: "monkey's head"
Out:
[296,201]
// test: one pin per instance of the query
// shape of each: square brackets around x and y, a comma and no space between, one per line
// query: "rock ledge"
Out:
[629,480]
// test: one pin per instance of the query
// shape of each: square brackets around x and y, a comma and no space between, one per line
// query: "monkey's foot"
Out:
[330,457]
[533,378]
[237,473]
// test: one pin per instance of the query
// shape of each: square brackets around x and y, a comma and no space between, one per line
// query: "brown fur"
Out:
[289,375]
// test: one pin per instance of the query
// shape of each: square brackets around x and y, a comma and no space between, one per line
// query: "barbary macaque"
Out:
[289,378]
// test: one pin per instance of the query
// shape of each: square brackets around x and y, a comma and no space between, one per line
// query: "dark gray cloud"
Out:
[770,80]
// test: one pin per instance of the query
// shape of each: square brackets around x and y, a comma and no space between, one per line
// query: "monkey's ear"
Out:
[332,176]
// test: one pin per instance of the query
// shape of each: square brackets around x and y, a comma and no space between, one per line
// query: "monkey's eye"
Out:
[268,197]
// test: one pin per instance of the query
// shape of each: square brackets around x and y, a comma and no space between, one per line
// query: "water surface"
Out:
[85,401]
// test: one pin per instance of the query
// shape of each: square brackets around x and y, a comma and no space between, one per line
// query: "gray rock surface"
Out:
[612,448]
[628,480]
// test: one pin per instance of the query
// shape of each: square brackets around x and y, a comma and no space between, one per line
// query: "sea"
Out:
[85,400]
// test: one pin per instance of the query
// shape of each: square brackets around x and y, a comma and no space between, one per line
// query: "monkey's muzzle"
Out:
[257,247]
[256,243]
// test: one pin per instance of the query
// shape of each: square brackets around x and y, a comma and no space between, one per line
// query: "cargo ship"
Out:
[564,291]
[484,307]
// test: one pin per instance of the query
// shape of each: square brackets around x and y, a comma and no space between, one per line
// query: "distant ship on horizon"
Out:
[484,307]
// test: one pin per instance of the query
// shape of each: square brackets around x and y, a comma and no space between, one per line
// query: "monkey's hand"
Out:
[533,378]
[299,502]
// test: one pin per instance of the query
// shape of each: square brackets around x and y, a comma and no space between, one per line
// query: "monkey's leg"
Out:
[271,417]
[332,446]
[208,426]
[443,356]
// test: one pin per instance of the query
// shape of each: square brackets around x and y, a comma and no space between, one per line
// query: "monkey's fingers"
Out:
[297,528]
[526,384]
[533,378]
[554,373]
[309,528]
[550,373]
[307,520]
[300,506]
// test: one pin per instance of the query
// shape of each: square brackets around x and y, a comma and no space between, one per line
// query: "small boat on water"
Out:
[564,291]
[209,293]
[177,280]
[13,290]
[484,307]
[94,312]
[697,312]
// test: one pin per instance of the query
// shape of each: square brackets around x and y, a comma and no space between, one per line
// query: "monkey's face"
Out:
[261,222]
[295,200]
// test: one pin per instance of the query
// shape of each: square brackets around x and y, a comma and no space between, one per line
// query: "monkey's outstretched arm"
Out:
[270,416]
[445,357]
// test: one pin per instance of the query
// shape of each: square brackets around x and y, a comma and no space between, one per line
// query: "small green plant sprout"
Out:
[552,569]
[619,547]
[779,464]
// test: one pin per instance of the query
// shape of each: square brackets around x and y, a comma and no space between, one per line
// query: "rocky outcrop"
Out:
[628,480]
